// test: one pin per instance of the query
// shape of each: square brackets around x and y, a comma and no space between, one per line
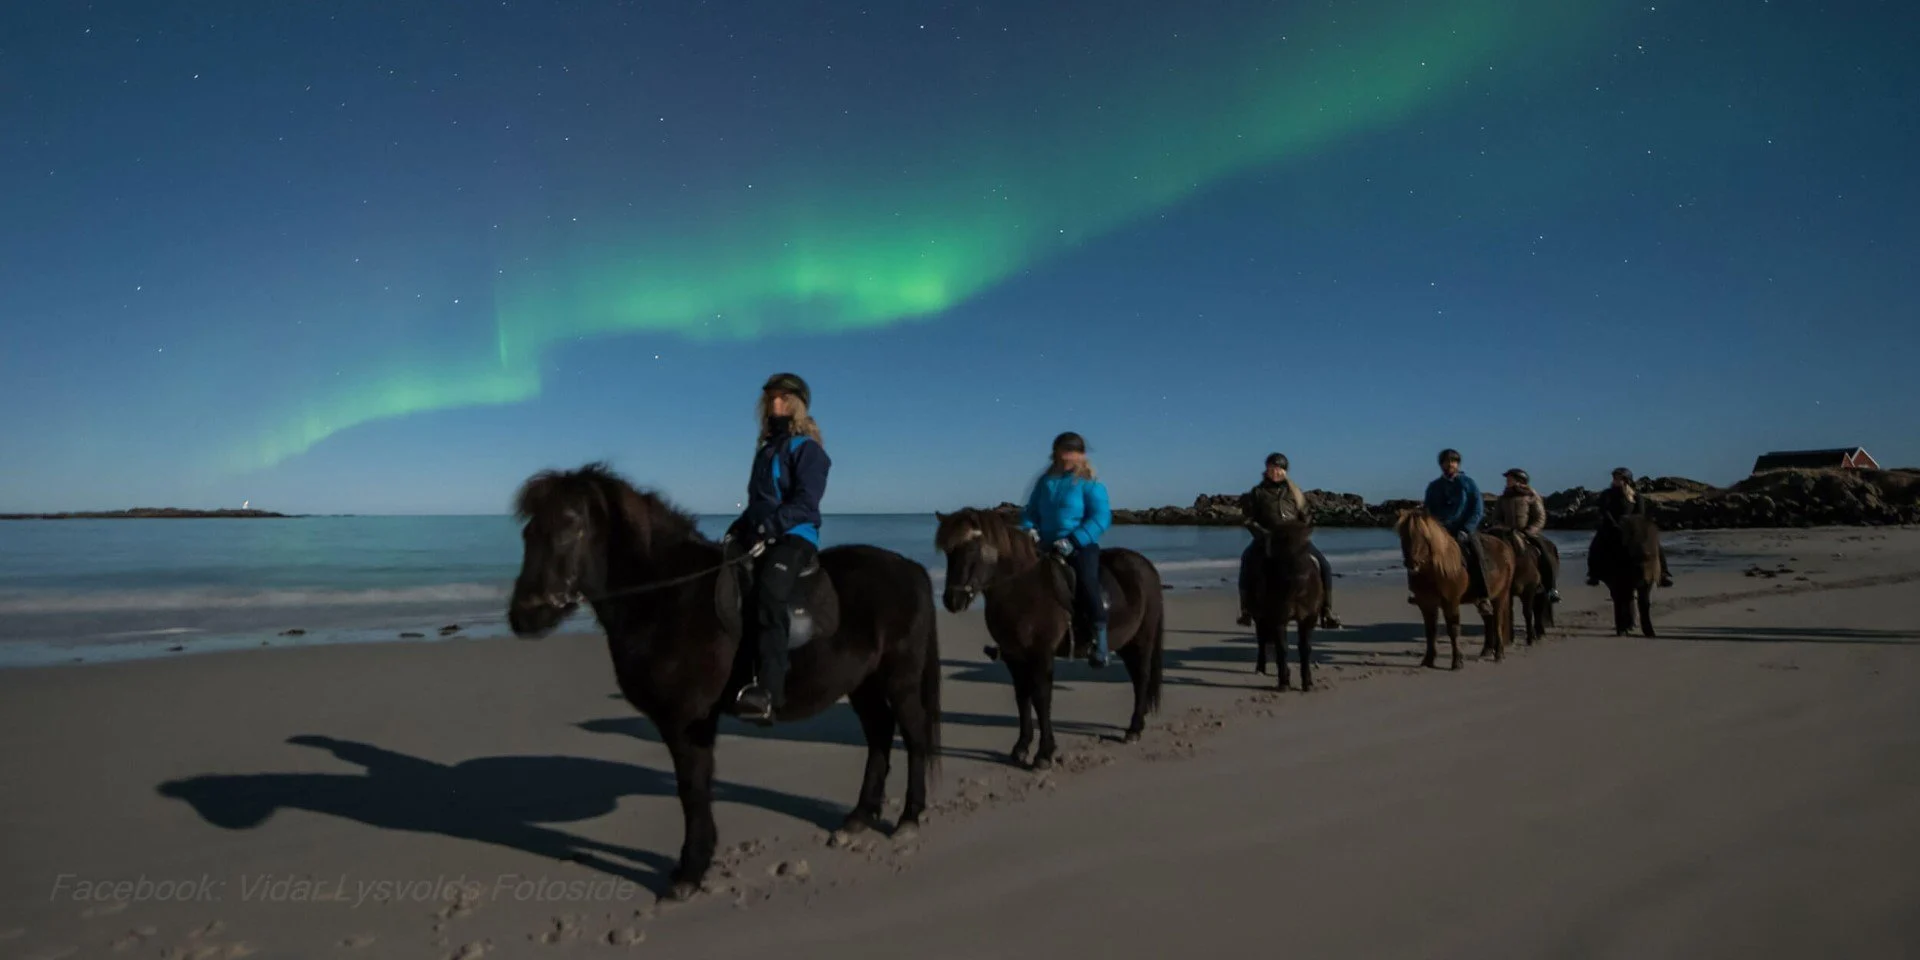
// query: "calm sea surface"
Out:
[95,590]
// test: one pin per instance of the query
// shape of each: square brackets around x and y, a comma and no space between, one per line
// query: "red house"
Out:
[1839,458]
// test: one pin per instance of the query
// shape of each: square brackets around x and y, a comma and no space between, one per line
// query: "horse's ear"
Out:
[940,517]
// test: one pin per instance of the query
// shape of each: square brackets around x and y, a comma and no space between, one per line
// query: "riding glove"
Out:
[1063,547]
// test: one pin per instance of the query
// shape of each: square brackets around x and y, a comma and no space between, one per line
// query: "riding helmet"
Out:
[1520,475]
[1448,454]
[1069,442]
[1278,460]
[789,383]
[1623,473]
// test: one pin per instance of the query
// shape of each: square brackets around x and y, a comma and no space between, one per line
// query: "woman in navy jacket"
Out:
[782,520]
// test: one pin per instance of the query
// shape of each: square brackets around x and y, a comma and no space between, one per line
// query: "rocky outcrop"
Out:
[1781,498]
[148,513]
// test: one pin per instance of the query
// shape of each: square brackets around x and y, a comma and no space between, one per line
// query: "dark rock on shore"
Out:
[1779,498]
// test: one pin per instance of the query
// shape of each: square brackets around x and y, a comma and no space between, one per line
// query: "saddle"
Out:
[813,612]
[1066,584]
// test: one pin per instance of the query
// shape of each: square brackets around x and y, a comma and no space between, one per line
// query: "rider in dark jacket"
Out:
[1276,502]
[1454,500]
[781,524]
[1616,503]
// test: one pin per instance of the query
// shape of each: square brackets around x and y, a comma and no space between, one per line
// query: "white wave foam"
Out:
[202,599]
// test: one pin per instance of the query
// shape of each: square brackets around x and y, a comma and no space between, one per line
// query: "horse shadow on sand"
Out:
[504,801]
[838,727]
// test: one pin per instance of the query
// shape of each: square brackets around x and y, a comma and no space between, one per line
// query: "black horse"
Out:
[1286,587]
[1626,558]
[651,578]
[1030,616]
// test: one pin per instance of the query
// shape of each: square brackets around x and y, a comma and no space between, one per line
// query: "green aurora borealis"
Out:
[845,239]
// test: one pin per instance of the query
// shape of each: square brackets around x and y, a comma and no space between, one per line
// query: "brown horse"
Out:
[1627,560]
[1529,587]
[1437,575]
[1285,587]
[1029,612]
[651,580]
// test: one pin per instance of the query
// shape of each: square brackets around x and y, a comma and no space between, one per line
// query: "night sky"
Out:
[394,257]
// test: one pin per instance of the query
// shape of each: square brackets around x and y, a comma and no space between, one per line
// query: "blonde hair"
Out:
[803,423]
[1626,490]
[1299,495]
[1084,469]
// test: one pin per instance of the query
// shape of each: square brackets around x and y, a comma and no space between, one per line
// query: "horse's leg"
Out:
[1023,698]
[1453,633]
[1431,615]
[916,729]
[1136,657]
[1306,626]
[1278,635]
[1622,612]
[692,749]
[1042,681]
[1490,616]
[869,701]
[1646,610]
[1260,645]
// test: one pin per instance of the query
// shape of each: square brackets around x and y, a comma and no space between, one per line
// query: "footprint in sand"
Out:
[472,951]
[625,937]
[564,929]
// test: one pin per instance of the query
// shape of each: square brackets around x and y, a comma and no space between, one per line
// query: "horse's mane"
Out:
[1292,538]
[990,526]
[600,492]
[1428,544]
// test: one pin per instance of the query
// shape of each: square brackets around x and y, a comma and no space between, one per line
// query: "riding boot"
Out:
[1100,655]
[1548,581]
[1476,568]
[1666,575]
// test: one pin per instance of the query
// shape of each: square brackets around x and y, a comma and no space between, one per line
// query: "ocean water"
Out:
[99,590]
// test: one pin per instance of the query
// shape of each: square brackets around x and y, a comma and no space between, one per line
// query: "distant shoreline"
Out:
[151,513]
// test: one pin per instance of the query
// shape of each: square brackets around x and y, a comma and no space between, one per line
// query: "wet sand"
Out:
[1743,785]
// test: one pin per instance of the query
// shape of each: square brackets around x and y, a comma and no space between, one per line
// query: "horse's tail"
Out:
[930,679]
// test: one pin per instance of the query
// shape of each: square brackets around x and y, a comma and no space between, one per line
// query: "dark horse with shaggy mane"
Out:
[651,580]
[1030,615]
[1285,587]
[1626,556]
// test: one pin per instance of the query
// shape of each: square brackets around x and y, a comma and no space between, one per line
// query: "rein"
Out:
[673,582]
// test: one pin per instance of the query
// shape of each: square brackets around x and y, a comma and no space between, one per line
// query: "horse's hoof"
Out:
[1261,670]
[905,831]
[1133,736]
[1427,664]
[1650,633]
[1043,763]
[992,652]
[683,891]
[1306,686]
[1456,665]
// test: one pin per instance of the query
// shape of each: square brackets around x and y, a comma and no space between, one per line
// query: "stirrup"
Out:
[754,704]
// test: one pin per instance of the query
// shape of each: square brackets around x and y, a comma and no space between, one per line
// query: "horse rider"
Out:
[1616,503]
[781,528]
[1454,500]
[1274,502]
[1066,513]
[1521,511]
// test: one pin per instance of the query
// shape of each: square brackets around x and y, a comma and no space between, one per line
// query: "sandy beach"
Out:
[1744,785]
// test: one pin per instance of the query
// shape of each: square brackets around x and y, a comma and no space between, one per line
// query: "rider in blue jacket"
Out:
[782,521]
[1454,500]
[1067,512]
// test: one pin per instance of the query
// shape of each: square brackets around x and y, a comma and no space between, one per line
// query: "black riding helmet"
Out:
[1622,473]
[1520,475]
[789,383]
[1278,460]
[1449,454]
[1069,442]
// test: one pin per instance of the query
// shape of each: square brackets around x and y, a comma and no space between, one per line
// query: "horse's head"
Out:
[564,517]
[1426,547]
[976,542]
